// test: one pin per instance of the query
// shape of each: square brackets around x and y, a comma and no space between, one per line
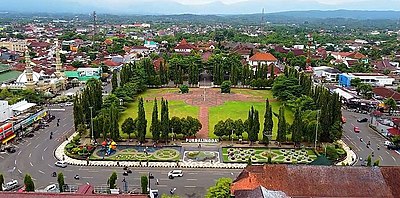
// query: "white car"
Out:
[10,185]
[52,188]
[69,103]
[175,173]
[387,143]
[61,164]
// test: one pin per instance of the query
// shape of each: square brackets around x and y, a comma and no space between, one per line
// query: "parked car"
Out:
[362,120]
[69,103]
[387,143]
[29,135]
[356,129]
[61,164]
[10,185]
[393,146]
[175,173]
[51,188]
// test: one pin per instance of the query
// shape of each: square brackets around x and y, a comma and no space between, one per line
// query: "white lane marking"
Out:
[37,146]
[15,162]
[87,177]
[30,154]
[20,172]
[191,179]
[393,158]
[33,179]
[28,144]
[50,165]
[19,152]
[93,171]
[42,172]
[45,149]
[388,152]
[192,173]
[190,186]
[42,158]
[31,163]
[381,158]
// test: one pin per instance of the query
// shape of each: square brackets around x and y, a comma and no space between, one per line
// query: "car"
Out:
[10,185]
[61,164]
[69,104]
[29,135]
[356,129]
[362,120]
[51,188]
[393,147]
[387,143]
[175,173]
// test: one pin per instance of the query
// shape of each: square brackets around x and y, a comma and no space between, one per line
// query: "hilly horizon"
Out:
[168,7]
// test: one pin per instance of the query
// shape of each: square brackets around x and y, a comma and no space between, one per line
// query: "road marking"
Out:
[30,154]
[15,162]
[192,173]
[19,152]
[93,171]
[393,158]
[388,152]
[45,149]
[190,186]
[42,158]
[1,157]
[159,185]
[87,177]
[33,179]
[20,172]
[191,179]
[50,165]
[65,125]
[37,146]
[42,172]
[28,144]
[31,163]
[381,157]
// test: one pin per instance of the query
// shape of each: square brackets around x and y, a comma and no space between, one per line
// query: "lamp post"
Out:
[232,137]
[91,122]
[172,133]
[316,132]
[150,178]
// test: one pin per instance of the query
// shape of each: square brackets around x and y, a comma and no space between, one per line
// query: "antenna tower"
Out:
[94,26]
[309,44]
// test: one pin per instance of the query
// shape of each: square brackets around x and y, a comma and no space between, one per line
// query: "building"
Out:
[375,79]
[184,47]
[17,46]
[5,111]
[150,44]
[317,181]
[383,93]
[261,58]
[326,73]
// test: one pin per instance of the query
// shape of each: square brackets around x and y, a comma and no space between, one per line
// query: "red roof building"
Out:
[383,93]
[184,47]
[262,58]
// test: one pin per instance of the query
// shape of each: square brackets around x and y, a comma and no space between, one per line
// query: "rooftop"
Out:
[260,56]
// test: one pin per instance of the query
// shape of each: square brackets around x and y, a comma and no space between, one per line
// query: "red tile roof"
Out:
[386,93]
[63,195]
[260,56]
[394,131]
[383,65]
[184,45]
[111,63]
[320,181]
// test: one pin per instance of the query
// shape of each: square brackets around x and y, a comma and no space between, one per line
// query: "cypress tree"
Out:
[155,122]
[141,121]
[268,122]
[114,81]
[29,185]
[297,126]
[281,125]
[256,126]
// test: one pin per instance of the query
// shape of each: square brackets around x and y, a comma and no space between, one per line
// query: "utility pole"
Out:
[91,123]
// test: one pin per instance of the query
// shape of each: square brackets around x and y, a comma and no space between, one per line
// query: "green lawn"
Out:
[259,94]
[239,110]
[176,108]
[152,93]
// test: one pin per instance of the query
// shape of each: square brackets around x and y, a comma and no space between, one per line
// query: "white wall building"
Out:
[5,111]
[327,73]
[375,79]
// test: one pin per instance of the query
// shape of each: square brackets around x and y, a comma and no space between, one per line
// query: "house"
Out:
[326,73]
[348,58]
[262,58]
[384,93]
[375,79]
[184,47]
[383,66]
[150,44]
[317,181]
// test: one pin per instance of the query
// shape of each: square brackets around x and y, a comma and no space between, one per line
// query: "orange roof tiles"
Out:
[260,56]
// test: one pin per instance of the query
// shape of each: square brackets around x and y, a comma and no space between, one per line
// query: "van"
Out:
[61,164]
[10,185]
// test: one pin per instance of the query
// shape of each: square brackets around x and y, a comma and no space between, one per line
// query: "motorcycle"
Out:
[76,177]
[54,174]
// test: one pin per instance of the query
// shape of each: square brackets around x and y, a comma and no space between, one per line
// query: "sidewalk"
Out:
[351,157]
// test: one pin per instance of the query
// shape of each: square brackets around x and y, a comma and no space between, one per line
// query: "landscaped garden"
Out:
[262,155]
[200,156]
[137,153]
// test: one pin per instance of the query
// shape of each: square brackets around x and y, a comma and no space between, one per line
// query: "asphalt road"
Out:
[35,156]
[352,139]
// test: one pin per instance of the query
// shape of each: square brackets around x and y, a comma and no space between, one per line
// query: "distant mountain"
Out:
[165,7]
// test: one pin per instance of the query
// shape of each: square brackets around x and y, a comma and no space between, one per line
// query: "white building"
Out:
[5,111]
[87,71]
[375,79]
[326,73]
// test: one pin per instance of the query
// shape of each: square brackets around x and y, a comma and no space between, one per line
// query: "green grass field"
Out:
[239,110]
[258,94]
[176,108]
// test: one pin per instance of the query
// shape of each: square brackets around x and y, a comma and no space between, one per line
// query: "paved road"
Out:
[385,156]
[36,156]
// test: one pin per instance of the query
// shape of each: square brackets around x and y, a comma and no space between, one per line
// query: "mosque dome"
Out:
[22,77]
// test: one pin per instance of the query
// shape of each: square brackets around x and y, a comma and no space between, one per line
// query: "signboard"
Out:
[202,140]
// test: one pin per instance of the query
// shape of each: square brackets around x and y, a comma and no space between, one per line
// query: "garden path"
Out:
[203,118]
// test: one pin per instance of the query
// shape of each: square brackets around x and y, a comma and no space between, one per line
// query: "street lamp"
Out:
[172,133]
[91,122]
[232,137]
[150,178]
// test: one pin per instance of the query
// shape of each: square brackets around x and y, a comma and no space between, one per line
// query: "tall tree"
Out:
[114,127]
[281,137]
[114,81]
[141,123]
[155,122]
[128,126]
[1,182]
[297,126]
[112,181]
[268,122]
[221,189]
[29,185]
[144,182]
[60,180]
